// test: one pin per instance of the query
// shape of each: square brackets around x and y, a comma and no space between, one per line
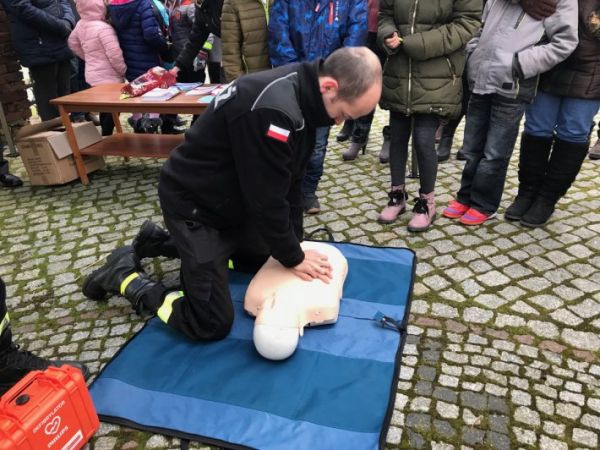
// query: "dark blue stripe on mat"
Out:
[225,422]
[305,387]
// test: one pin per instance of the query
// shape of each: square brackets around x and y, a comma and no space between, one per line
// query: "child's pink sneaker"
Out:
[474,217]
[455,210]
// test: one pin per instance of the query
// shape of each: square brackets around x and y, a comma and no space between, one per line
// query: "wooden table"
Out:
[105,98]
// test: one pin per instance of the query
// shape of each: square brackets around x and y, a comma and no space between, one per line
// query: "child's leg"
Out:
[489,179]
[400,134]
[476,129]
[107,124]
[424,142]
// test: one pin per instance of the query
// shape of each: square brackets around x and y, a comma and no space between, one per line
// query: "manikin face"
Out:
[341,110]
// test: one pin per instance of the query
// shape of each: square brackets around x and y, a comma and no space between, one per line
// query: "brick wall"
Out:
[12,88]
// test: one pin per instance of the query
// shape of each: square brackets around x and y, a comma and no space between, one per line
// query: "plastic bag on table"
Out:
[153,78]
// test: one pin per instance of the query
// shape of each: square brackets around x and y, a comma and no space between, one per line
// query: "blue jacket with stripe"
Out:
[139,33]
[306,30]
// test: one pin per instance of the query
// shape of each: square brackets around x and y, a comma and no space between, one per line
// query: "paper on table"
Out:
[185,87]
[206,89]
[206,99]
[158,94]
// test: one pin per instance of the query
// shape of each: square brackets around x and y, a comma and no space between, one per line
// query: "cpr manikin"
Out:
[284,304]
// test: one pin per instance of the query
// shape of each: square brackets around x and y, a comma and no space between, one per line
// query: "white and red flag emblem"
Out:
[281,134]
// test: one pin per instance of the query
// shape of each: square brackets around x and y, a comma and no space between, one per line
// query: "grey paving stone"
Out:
[444,429]
[445,394]
[473,436]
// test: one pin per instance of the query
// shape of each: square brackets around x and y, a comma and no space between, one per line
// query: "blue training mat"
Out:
[336,391]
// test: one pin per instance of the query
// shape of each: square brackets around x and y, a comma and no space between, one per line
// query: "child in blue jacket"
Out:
[306,30]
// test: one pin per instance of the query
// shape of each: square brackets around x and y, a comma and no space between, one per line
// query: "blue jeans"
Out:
[314,170]
[569,118]
[491,131]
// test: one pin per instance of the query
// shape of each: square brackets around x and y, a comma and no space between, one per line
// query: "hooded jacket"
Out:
[579,75]
[207,20]
[306,30]
[244,37]
[39,30]
[181,17]
[244,159]
[139,35]
[96,42]
[512,49]
[423,74]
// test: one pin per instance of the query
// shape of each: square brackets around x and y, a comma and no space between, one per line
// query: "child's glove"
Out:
[539,9]
[200,61]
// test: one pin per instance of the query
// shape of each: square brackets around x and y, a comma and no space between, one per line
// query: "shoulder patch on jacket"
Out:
[278,133]
[225,95]
[280,95]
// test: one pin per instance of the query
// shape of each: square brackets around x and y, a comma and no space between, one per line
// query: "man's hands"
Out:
[174,71]
[393,41]
[539,9]
[315,265]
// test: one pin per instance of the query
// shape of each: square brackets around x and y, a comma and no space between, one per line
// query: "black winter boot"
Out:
[444,148]
[121,263]
[346,131]
[152,241]
[564,165]
[533,161]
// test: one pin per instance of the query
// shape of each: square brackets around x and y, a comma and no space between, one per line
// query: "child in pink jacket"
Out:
[95,41]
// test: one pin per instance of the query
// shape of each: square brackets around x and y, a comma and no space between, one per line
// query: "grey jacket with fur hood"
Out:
[512,49]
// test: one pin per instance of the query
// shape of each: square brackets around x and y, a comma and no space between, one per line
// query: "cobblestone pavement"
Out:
[504,343]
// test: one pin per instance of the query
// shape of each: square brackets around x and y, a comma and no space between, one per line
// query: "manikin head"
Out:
[350,82]
[284,304]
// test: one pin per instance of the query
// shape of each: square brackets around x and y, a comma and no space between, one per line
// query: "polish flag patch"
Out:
[278,133]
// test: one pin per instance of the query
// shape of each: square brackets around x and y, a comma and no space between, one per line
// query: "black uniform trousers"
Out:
[205,311]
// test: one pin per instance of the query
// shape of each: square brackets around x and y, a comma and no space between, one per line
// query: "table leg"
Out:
[117,121]
[73,144]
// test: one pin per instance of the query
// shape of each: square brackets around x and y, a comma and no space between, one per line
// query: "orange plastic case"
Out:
[49,410]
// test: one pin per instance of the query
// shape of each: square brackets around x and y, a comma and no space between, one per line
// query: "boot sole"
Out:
[384,161]
[409,228]
[443,158]
[93,290]
[533,225]
[512,217]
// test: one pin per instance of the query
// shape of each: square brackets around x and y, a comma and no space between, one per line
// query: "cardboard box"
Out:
[46,153]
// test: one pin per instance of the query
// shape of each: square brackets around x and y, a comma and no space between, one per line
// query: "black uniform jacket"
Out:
[245,157]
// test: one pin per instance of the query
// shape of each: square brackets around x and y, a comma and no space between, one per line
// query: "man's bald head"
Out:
[356,69]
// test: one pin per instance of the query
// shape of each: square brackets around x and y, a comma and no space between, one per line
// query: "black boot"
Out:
[9,180]
[152,241]
[444,147]
[460,154]
[345,132]
[564,165]
[533,161]
[121,263]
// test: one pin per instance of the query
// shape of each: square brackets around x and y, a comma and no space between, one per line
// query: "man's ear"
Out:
[328,85]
